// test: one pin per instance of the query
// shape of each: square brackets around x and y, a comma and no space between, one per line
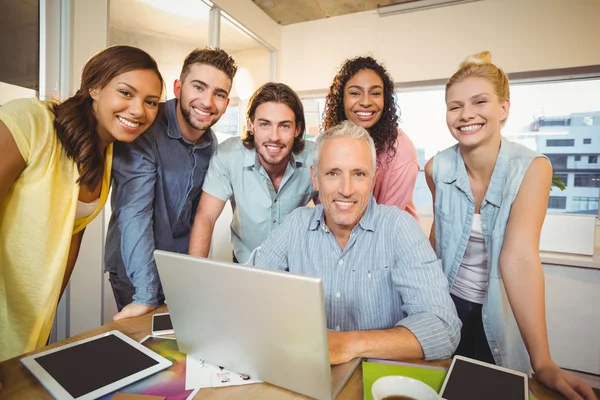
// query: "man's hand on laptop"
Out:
[133,310]
[341,347]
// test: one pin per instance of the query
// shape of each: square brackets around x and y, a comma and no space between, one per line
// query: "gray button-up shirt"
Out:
[235,173]
[388,275]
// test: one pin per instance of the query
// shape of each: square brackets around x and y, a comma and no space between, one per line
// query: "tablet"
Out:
[469,379]
[93,367]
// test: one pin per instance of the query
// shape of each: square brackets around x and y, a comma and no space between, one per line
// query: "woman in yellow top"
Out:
[54,179]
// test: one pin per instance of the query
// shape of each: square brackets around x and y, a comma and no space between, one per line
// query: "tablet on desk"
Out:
[469,379]
[94,367]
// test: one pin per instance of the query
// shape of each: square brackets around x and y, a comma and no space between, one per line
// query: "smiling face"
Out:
[274,129]
[474,114]
[202,97]
[127,105]
[363,98]
[344,178]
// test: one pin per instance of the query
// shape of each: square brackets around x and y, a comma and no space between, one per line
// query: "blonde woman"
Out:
[490,199]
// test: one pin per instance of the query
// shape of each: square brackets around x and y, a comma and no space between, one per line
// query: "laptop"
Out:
[270,325]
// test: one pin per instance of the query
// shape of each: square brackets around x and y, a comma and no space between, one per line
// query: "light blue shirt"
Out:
[454,209]
[387,275]
[235,173]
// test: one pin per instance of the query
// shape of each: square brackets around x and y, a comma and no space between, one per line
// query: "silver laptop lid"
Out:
[268,324]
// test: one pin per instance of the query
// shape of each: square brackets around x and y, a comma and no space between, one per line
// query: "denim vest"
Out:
[454,209]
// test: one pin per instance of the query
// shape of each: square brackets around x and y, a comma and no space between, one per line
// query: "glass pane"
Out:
[254,65]
[229,124]
[19,43]
[167,30]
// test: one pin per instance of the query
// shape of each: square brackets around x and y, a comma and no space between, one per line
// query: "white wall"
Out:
[523,35]
[10,92]
[168,53]
[573,326]
[258,63]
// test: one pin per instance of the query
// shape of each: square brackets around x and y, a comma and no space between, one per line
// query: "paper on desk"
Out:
[200,374]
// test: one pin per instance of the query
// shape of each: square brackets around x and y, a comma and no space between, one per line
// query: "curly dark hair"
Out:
[385,131]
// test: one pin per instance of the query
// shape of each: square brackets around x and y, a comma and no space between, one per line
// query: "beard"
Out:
[188,115]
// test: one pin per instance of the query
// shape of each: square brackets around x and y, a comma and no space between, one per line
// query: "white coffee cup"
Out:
[395,385]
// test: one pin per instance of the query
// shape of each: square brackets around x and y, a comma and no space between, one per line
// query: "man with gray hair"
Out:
[385,293]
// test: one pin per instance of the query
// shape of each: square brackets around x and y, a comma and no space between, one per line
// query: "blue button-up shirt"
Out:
[454,209]
[387,275]
[235,173]
[157,182]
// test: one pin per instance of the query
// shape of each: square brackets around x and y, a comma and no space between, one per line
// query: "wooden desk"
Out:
[20,384]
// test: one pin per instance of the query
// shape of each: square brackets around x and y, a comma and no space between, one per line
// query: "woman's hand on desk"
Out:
[564,382]
[133,310]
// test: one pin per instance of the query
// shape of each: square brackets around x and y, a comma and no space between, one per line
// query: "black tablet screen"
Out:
[470,381]
[161,323]
[89,366]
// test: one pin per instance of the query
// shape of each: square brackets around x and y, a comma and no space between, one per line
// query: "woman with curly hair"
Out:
[363,92]
[55,175]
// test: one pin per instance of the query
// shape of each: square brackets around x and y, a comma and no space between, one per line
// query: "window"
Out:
[558,202]
[586,204]
[560,142]
[588,121]
[554,122]
[229,124]
[557,162]
[313,109]
[587,180]
[587,141]
[563,177]
[544,116]
[593,160]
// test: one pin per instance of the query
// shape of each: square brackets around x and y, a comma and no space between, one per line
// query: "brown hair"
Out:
[75,121]
[385,131]
[214,57]
[277,93]
[480,65]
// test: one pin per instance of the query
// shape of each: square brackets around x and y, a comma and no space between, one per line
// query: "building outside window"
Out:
[585,203]
[560,142]
[557,202]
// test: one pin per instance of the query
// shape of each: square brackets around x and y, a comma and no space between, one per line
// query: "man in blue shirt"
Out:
[385,293]
[157,181]
[266,174]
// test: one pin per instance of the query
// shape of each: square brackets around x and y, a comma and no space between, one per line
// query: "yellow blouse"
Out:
[37,222]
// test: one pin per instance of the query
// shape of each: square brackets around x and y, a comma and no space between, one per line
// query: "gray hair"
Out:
[347,129]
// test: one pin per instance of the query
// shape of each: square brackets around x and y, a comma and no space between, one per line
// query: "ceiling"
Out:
[179,20]
[286,12]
